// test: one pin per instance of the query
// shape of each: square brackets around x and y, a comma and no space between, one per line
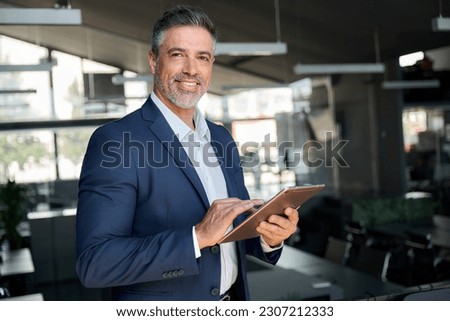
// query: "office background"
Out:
[351,94]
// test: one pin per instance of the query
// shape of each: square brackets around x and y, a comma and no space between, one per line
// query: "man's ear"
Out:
[152,61]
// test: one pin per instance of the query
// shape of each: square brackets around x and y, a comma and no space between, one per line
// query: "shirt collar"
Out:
[178,126]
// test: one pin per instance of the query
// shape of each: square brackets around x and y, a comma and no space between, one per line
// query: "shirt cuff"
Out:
[196,246]
[267,248]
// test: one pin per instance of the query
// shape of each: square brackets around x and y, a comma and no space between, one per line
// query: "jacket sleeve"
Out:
[107,252]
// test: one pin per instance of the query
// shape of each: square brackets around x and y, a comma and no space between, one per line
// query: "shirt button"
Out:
[215,291]
[215,249]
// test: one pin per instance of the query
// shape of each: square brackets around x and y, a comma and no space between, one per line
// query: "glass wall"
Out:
[24,95]
[27,156]
[71,88]
[427,147]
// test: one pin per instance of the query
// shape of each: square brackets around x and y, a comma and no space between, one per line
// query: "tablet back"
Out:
[289,197]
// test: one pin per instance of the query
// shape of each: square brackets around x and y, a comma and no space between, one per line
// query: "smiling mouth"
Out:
[189,83]
[188,86]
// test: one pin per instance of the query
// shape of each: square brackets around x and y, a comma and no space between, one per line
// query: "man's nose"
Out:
[190,66]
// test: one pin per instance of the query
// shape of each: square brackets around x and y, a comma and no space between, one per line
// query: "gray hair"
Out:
[181,15]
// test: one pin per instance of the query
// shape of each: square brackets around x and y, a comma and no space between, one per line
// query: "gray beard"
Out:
[175,97]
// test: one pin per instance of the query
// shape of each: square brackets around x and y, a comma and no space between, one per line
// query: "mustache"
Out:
[184,77]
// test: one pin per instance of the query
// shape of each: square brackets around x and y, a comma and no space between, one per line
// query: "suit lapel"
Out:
[161,129]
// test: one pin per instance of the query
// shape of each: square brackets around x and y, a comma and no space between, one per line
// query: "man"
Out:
[162,185]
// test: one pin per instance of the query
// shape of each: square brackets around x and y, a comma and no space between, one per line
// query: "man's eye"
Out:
[204,58]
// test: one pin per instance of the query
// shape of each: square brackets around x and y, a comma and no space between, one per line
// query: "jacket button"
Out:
[215,291]
[215,249]
[180,272]
[165,275]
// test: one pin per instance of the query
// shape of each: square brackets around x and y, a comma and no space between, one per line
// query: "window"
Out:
[27,156]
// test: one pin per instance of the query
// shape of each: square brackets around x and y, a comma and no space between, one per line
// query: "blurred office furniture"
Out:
[356,235]
[432,295]
[17,272]
[58,194]
[53,243]
[441,237]
[4,292]
[420,250]
[26,297]
[273,283]
[20,262]
[337,250]
[422,258]
[366,259]
[373,261]
[354,283]
[436,291]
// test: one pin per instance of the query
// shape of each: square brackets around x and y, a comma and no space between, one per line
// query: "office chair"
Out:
[373,261]
[4,292]
[337,250]
[356,235]
[422,258]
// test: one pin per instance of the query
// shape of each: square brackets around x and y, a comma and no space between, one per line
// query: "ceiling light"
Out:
[44,66]
[440,24]
[411,84]
[17,91]
[251,48]
[327,69]
[40,16]
[121,79]
[410,59]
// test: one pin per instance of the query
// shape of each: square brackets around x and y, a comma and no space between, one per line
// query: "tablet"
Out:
[293,196]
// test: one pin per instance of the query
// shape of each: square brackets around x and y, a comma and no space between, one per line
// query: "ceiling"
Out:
[118,32]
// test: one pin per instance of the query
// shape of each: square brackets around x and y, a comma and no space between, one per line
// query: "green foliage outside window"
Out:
[22,149]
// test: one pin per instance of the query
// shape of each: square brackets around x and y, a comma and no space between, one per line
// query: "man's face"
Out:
[182,71]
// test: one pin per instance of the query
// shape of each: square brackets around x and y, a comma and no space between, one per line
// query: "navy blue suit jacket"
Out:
[139,198]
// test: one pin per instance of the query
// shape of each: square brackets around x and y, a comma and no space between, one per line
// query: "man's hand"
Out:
[219,217]
[278,228]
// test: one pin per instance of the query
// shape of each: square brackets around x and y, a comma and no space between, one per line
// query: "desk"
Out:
[28,297]
[20,262]
[278,284]
[355,284]
[16,272]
